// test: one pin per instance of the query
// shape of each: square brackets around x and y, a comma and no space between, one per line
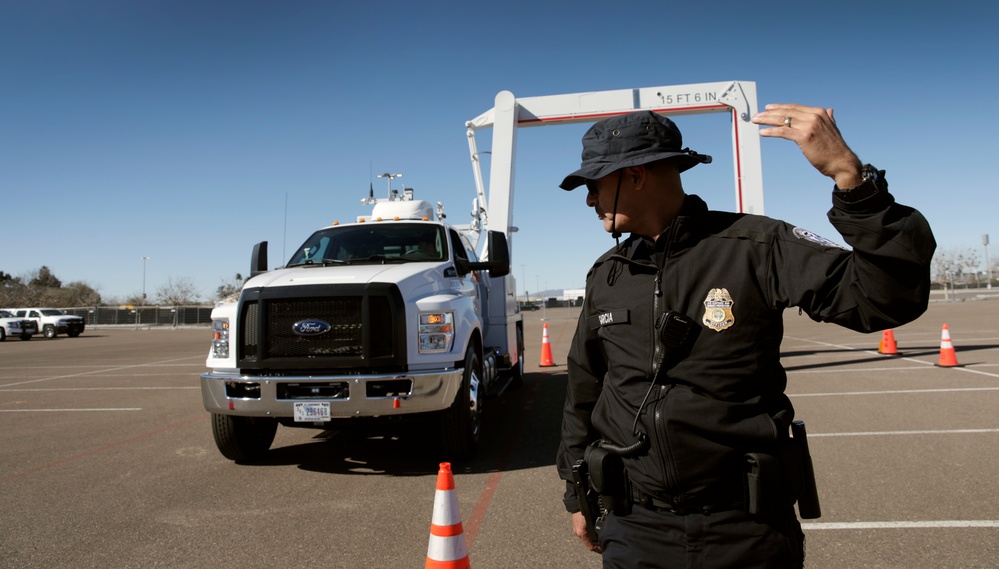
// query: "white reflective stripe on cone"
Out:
[446,508]
[447,548]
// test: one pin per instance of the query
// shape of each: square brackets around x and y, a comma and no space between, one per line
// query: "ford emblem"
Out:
[311,327]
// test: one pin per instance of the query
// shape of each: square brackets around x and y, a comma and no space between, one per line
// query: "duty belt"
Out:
[705,507]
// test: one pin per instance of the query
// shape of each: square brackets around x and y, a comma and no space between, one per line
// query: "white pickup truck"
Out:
[52,321]
[11,325]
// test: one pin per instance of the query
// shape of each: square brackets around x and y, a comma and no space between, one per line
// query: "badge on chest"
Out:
[718,310]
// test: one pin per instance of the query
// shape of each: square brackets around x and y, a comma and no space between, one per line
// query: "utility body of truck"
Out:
[397,315]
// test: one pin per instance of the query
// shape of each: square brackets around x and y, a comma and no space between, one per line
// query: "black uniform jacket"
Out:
[722,394]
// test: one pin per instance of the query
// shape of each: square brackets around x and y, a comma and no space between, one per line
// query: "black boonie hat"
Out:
[630,140]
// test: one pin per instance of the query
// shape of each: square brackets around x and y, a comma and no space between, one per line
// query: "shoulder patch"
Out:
[802,233]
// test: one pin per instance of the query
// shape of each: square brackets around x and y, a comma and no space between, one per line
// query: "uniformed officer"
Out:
[675,364]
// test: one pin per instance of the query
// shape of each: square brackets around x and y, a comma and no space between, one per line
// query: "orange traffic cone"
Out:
[447,549]
[546,349]
[887,345]
[947,356]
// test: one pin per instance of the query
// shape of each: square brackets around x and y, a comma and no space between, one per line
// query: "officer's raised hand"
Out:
[814,130]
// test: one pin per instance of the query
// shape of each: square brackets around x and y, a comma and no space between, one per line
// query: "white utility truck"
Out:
[398,315]
[384,318]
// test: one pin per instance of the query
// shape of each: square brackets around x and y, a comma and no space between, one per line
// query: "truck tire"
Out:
[49,331]
[460,425]
[25,336]
[243,439]
[3,334]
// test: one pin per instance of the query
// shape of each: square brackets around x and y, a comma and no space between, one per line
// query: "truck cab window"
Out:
[377,242]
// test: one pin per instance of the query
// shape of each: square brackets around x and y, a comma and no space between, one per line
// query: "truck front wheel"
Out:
[460,424]
[243,439]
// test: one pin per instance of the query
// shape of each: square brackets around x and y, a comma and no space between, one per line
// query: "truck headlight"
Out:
[220,340]
[436,332]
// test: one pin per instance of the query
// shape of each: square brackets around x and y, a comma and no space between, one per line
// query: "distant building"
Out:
[556,297]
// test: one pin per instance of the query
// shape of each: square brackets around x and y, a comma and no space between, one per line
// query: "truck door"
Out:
[464,253]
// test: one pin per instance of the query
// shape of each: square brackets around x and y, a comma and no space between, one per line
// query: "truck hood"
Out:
[345,274]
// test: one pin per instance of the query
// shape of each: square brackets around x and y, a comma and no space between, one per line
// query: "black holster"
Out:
[608,479]
[602,486]
[775,481]
[808,499]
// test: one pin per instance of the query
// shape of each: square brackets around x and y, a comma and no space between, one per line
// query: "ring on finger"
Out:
[787,122]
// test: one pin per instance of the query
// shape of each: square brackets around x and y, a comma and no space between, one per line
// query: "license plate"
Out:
[312,411]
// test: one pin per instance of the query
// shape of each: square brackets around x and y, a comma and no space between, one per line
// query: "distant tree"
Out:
[135,299]
[177,292]
[78,293]
[953,266]
[27,294]
[11,289]
[42,288]
[971,265]
[229,288]
[43,278]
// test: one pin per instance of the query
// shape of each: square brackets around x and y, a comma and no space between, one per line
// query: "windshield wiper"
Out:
[320,263]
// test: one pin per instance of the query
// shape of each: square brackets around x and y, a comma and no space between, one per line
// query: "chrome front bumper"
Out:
[348,395]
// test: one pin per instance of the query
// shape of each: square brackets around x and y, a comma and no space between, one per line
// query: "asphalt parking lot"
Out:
[108,459]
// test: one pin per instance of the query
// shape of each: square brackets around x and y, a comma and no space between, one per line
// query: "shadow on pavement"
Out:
[912,352]
[520,430]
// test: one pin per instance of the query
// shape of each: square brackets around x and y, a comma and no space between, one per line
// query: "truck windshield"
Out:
[373,242]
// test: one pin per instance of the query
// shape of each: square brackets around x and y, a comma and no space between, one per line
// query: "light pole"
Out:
[144,259]
[988,268]
[390,178]
[523,271]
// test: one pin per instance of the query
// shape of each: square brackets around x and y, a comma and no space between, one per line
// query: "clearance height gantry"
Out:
[511,113]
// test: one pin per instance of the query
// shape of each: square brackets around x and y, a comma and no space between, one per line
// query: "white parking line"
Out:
[23,389]
[894,358]
[199,363]
[85,373]
[67,410]
[889,433]
[889,392]
[901,525]
[791,372]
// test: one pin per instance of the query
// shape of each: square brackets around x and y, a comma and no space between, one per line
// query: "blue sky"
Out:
[188,131]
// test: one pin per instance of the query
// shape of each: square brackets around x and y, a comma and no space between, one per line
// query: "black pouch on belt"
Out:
[608,479]
[763,484]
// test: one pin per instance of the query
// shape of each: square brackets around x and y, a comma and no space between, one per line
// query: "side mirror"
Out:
[498,264]
[258,259]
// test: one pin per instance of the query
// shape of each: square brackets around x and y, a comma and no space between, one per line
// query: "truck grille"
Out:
[343,339]
[357,326]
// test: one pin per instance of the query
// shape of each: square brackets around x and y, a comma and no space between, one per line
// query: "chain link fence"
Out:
[143,315]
